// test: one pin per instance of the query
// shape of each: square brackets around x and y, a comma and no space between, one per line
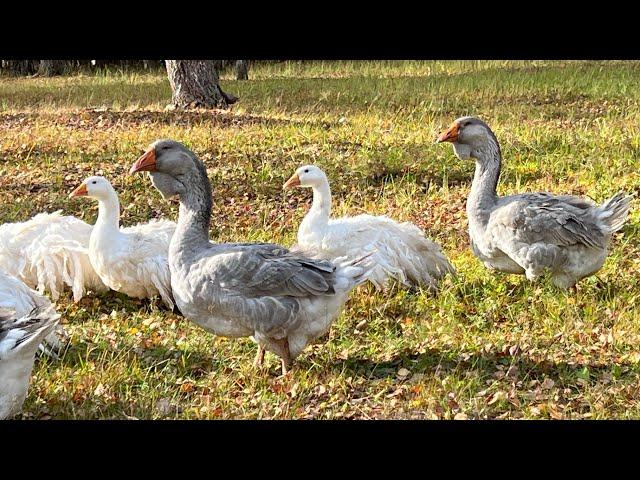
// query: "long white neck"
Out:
[108,213]
[318,216]
[482,197]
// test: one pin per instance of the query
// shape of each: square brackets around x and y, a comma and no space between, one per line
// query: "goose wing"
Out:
[261,285]
[555,220]
[271,270]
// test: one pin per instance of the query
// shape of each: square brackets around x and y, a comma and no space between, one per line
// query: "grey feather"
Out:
[562,220]
[19,341]
[246,289]
[532,233]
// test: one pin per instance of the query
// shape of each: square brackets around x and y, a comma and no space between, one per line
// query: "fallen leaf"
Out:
[547,384]
[187,387]
[163,406]
[99,390]
[512,372]
[361,325]
[496,397]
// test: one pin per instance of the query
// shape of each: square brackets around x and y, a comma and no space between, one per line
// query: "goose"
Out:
[49,252]
[531,233]
[402,251]
[17,297]
[131,260]
[283,300]
[20,336]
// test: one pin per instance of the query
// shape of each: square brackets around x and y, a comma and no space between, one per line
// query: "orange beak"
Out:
[146,163]
[80,191]
[294,181]
[451,135]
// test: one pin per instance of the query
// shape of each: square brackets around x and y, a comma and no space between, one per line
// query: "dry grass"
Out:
[488,346]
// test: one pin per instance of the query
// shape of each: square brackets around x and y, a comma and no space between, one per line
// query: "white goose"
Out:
[131,260]
[401,249]
[18,298]
[20,337]
[48,252]
[531,233]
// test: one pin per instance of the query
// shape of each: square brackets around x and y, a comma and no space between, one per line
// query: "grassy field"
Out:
[488,345]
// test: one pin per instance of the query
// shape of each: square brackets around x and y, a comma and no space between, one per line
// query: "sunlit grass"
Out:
[488,346]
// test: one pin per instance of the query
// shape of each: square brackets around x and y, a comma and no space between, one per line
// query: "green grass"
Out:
[488,346]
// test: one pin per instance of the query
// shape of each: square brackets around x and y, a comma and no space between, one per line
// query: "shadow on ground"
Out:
[91,118]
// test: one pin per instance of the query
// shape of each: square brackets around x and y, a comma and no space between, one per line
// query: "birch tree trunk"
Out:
[195,83]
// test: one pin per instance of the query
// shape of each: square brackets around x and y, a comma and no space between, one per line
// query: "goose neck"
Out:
[321,206]
[194,216]
[483,194]
[109,212]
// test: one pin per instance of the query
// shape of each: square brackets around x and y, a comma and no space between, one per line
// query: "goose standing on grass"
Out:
[49,252]
[282,299]
[18,298]
[531,233]
[401,250]
[20,337]
[131,260]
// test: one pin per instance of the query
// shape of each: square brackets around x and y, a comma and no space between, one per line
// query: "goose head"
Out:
[307,176]
[469,136]
[170,164]
[96,187]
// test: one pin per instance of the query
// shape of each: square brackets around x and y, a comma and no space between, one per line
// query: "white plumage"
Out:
[131,260]
[401,250]
[18,297]
[20,336]
[49,252]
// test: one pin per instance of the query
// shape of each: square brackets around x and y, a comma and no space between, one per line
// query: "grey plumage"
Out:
[559,220]
[281,298]
[19,341]
[615,211]
[36,320]
[531,233]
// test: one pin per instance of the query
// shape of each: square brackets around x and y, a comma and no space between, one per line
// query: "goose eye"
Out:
[306,170]
[94,182]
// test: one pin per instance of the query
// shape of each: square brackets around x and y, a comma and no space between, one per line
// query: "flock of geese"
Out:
[284,298]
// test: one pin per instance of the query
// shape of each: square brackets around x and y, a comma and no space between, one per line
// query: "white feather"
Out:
[49,252]
[400,250]
[131,260]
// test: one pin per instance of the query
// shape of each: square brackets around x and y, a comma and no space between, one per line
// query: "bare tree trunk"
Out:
[195,83]
[152,64]
[48,68]
[242,70]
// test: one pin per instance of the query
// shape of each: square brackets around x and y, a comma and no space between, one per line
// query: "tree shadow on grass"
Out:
[454,177]
[608,288]
[90,118]
[485,365]
[193,363]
